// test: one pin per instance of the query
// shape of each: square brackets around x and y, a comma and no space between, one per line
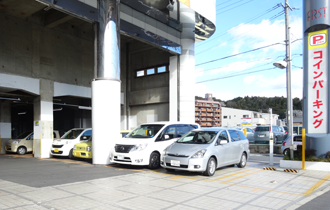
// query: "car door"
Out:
[29,142]
[222,151]
[249,134]
[235,144]
[161,143]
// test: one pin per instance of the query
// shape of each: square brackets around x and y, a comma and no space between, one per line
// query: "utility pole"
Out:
[288,75]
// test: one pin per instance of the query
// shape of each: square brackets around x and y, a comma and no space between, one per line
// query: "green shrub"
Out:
[309,155]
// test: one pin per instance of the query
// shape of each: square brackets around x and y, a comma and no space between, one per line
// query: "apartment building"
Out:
[207,112]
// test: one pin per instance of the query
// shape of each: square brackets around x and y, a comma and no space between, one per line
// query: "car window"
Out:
[145,131]
[233,135]
[198,137]
[72,134]
[297,138]
[241,135]
[181,130]
[193,127]
[262,128]
[87,133]
[249,130]
[275,129]
[170,131]
[30,137]
[223,136]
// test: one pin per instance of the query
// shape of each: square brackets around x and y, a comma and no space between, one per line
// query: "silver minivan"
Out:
[205,150]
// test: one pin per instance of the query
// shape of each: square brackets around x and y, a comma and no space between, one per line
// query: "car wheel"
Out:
[71,154]
[242,163]
[170,170]
[21,150]
[286,152]
[154,161]
[211,167]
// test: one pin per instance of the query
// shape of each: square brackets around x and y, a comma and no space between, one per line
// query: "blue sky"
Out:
[244,25]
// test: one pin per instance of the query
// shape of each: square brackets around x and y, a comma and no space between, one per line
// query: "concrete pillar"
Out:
[174,67]
[43,119]
[106,85]
[5,124]
[187,65]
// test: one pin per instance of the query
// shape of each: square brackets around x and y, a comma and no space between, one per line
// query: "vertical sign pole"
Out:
[303,148]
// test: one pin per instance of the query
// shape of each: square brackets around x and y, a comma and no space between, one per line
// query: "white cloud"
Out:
[201,89]
[265,33]
[276,86]
[199,72]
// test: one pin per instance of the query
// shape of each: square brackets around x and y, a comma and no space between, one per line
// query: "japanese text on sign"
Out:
[317,81]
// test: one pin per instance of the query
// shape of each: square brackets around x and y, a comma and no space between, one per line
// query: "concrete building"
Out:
[237,117]
[97,63]
[207,112]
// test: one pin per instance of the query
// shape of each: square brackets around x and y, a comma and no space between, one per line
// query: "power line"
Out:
[273,17]
[235,75]
[233,4]
[224,2]
[249,20]
[238,54]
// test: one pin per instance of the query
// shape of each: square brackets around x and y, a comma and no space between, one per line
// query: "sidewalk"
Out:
[229,188]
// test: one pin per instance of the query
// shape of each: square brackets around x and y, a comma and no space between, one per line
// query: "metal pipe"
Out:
[108,41]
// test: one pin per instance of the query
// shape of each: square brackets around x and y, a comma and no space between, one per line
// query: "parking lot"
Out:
[59,183]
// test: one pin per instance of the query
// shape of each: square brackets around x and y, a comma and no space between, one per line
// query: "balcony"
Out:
[209,124]
[203,115]
[209,120]
[203,119]
[217,115]
[203,110]
[203,124]
[209,110]
[209,115]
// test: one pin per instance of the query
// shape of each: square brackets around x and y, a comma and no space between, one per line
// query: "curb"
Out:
[281,169]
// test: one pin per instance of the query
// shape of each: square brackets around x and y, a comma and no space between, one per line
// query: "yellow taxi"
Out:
[84,149]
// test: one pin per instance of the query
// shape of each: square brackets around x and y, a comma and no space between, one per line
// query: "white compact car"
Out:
[144,145]
[64,145]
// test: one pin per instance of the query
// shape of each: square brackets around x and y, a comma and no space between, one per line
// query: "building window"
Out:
[245,116]
[140,73]
[224,117]
[234,115]
[150,71]
[229,116]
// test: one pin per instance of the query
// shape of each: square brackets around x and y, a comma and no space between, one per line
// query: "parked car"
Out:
[262,134]
[23,143]
[84,149]
[64,145]
[297,130]
[205,150]
[249,133]
[297,139]
[144,144]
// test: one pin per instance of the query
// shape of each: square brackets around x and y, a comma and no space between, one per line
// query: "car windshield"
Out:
[23,135]
[198,137]
[145,131]
[262,129]
[72,134]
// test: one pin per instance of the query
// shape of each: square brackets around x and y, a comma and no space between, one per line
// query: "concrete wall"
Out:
[29,49]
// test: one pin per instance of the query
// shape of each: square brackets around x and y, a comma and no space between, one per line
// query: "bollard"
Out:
[303,148]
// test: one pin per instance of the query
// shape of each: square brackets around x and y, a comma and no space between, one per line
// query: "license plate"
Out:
[175,163]
[55,150]
[120,157]
[261,135]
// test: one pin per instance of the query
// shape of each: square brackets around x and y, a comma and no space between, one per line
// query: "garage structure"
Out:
[104,64]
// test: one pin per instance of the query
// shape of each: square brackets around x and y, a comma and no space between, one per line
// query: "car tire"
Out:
[170,170]
[71,154]
[21,150]
[286,152]
[154,161]
[242,162]
[211,167]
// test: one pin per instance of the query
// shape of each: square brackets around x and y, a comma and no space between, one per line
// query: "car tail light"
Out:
[283,144]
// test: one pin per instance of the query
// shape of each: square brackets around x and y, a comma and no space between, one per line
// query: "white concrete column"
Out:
[43,119]
[5,124]
[187,65]
[106,84]
[174,88]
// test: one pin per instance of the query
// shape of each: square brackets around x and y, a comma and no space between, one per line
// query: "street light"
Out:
[282,65]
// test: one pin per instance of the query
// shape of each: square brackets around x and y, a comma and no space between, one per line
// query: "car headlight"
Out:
[74,147]
[88,149]
[199,154]
[16,142]
[139,147]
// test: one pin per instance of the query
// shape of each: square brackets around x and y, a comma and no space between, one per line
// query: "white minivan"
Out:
[64,145]
[144,144]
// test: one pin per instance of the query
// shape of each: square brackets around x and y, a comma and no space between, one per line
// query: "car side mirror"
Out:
[83,138]
[223,142]
[166,137]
